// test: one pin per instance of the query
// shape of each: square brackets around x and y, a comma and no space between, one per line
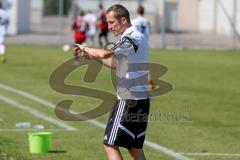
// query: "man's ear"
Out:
[123,20]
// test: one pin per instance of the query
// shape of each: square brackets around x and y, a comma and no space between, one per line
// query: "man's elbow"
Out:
[113,67]
[105,55]
[102,56]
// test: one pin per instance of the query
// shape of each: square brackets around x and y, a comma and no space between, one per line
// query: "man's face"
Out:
[116,26]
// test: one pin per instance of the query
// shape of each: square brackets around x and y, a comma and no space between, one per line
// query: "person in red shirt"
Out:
[80,28]
[102,26]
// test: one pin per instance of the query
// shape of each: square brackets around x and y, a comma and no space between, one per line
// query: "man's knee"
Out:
[137,154]
[112,152]
[109,148]
[134,150]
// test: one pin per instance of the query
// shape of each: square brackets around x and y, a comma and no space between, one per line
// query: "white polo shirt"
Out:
[131,55]
[3,22]
[91,20]
[142,24]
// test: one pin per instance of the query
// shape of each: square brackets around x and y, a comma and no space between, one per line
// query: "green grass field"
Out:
[206,92]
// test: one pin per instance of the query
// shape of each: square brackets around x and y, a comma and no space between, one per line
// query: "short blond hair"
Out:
[119,12]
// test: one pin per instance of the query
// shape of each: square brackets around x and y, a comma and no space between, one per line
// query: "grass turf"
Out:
[201,114]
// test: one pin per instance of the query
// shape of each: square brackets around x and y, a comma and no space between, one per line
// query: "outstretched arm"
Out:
[109,62]
[105,56]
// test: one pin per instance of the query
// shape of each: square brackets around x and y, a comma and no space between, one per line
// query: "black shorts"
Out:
[127,123]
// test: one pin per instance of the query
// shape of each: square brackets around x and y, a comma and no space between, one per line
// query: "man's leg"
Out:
[92,41]
[106,37]
[137,154]
[2,53]
[112,152]
[100,39]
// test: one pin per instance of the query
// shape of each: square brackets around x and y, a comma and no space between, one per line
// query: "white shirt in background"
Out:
[143,25]
[91,20]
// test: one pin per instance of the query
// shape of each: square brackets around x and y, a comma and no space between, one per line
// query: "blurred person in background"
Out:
[143,25]
[80,28]
[4,21]
[102,26]
[92,21]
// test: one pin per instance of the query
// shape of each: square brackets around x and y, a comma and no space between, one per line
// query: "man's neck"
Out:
[128,26]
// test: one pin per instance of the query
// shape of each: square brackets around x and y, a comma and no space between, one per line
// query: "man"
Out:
[102,26]
[80,28]
[143,25]
[91,20]
[128,121]
[4,20]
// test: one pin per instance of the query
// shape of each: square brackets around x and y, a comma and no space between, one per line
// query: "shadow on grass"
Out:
[57,151]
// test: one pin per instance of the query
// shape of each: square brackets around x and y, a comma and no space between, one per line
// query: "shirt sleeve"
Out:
[125,47]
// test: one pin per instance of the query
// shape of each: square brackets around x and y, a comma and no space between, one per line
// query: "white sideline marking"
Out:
[36,113]
[27,129]
[42,101]
[212,154]
[167,151]
[150,144]
[27,95]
